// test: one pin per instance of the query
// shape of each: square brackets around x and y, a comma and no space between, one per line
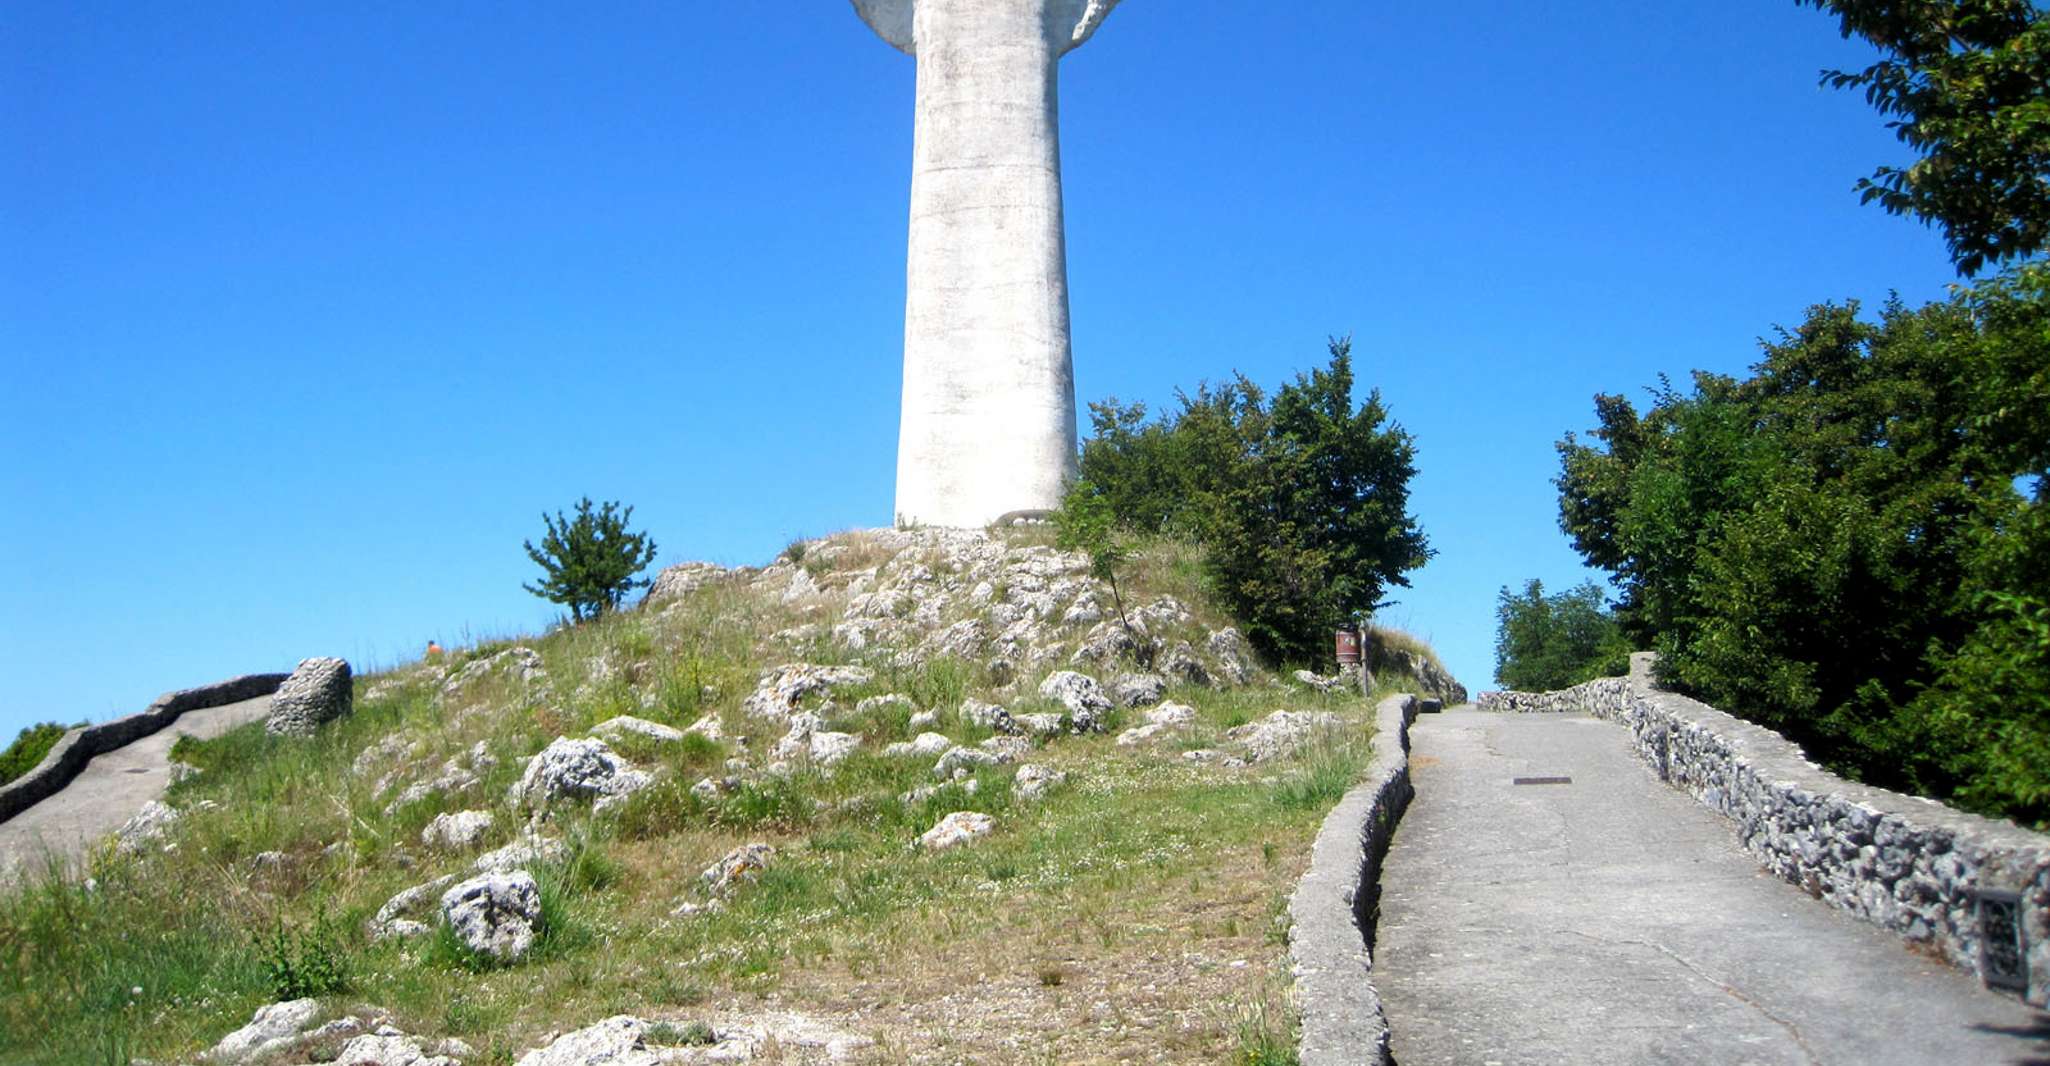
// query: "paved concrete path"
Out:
[1615,920]
[109,791]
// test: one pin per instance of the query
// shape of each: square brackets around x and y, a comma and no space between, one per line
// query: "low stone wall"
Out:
[1909,864]
[78,747]
[1332,913]
[1604,697]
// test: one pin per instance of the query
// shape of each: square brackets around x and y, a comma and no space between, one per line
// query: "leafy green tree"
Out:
[589,562]
[1543,643]
[1967,84]
[1301,500]
[1833,546]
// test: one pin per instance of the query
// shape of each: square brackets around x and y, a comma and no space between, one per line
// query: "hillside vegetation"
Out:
[1126,904]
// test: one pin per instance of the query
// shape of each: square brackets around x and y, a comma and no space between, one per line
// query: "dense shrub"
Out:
[1851,545]
[299,963]
[1301,502]
[28,749]
[1552,642]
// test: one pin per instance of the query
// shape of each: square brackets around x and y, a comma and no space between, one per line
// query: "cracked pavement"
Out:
[1615,920]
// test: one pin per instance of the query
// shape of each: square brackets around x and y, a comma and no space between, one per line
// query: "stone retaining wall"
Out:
[1907,863]
[1332,913]
[78,747]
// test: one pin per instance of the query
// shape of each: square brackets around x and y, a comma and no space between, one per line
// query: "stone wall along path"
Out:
[1613,919]
[111,788]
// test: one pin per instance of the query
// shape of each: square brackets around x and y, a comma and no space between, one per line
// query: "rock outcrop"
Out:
[318,692]
[582,769]
[495,914]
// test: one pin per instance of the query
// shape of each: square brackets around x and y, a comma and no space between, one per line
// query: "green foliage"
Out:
[590,562]
[302,963]
[1967,83]
[1301,502]
[1086,523]
[689,1034]
[1833,545]
[28,749]
[1264,1038]
[1543,643]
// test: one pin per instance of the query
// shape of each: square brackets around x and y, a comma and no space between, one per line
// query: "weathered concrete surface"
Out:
[1342,1021]
[111,789]
[989,392]
[1614,920]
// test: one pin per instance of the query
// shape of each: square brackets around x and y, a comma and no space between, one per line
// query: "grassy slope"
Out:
[1133,915]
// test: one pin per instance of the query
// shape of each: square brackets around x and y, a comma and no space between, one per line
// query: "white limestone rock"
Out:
[147,827]
[1181,664]
[1172,714]
[616,1041]
[519,662]
[967,786]
[1234,656]
[829,748]
[530,850]
[1007,749]
[459,831]
[1035,781]
[583,769]
[1319,682]
[1139,690]
[682,580]
[388,1049]
[1282,732]
[495,914]
[1042,725]
[959,761]
[782,690]
[1140,734]
[272,1028]
[628,724]
[1081,695]
[925,744]
[960,827]
[741,866]
[987,715]
[888,702]
[392,919]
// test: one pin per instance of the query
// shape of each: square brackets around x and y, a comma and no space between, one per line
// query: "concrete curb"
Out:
[1332,913]
[74,749]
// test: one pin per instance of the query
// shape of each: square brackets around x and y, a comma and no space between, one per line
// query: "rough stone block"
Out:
[319,691]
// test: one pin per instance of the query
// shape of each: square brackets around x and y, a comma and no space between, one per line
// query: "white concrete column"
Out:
[989,392]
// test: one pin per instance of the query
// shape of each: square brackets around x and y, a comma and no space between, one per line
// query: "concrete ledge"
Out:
[1905,863]
[76,748]
[1332,913]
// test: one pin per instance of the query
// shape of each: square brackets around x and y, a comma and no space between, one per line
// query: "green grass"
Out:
[1141,856]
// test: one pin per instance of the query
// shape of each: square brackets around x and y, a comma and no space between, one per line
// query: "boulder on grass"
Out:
[495,914]
[318,692]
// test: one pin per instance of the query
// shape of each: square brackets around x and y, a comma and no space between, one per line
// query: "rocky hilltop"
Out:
[897,796]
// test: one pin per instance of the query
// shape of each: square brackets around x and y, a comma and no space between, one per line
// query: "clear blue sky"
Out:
[307,312]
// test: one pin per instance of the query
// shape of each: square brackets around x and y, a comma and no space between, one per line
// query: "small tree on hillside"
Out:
[590,561]
[1086,523]
[1301,501]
